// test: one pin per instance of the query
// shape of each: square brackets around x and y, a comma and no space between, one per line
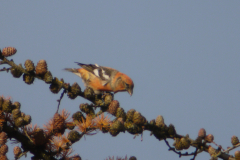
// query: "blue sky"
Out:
[183,57]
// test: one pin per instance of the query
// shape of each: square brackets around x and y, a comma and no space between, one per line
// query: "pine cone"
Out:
[76,158]
[116,127]
[171,130]
[2,119]
[212,150]
[237,155]
[19,122]
[130,114]
[138,118]
[16,105]
[17,151]
[3,138]
[1,102]
[8,51]
[78,116]
[185,142]
[74,136]
[41,67]
[3,157]
[16,73]
[202,133]
[112,108]
[178,144]
[132,158]
[7,106]
[28,78]
[108,98]
[48,77]
[160,121]
[39,137]
[29,65]
[3,149]
[27,119]
[16,113]
[234,140]
[58,124]
[133,128]
[75,91]
[209,138]
[121,113]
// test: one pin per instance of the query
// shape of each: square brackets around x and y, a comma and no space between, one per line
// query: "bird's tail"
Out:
[73,70]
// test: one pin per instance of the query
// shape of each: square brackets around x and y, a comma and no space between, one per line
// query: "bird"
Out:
[101,78]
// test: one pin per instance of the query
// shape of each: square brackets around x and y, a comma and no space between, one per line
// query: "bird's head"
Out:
[127,84]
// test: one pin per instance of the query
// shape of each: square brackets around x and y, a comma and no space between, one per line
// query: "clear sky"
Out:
[183,56]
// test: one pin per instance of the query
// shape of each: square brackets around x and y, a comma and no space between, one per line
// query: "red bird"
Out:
[101,78]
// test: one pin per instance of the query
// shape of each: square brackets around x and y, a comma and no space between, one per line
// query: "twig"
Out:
[59,100]
[2,62]
[22,154]
[195,154]
[231,148]
[219,146]
[180,153]
[28,136]
[5,69]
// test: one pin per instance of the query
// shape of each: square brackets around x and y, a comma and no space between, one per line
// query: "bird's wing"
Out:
[104,73]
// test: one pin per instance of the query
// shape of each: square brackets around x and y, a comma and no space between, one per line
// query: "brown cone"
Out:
[16,73]
[133,128]
[76,158]
[202,133]
[138,118]
[234,140]
[58,124]
[2,119]
[3,157]
[19,122]
[209,138]
[16,105]
[16,113]
[121,113]
[112,108]
[8,51]
[3,138]
[29,65]
[130,114]
[39,137]
[3,149]
[28,78]
[160,121]
[178,144]
[48,77]
[116,127]
[74,136]
[185,142]
[75,90]
[7,106]
[237,155]
[27,119]
[1,102]
[108,99]
[212,150]
[17,151]
[41,67]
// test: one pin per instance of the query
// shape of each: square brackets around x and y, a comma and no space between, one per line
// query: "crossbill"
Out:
[101,78]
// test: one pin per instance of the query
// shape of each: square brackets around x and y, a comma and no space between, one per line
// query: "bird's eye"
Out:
[127,85]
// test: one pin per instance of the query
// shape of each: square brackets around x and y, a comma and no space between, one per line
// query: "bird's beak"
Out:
[130,91]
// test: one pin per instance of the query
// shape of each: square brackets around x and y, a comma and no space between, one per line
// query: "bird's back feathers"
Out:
[101,78]
[103,73]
